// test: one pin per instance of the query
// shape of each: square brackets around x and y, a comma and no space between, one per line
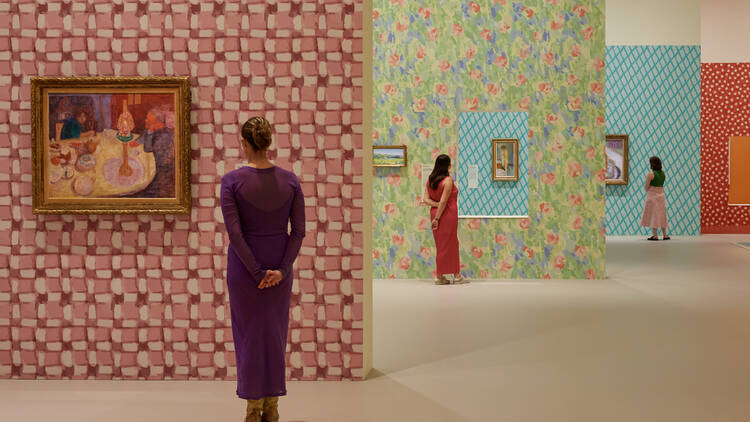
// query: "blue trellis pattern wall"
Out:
[653,95]
[491,198]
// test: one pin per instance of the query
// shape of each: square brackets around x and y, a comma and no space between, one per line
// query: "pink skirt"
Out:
[655,209]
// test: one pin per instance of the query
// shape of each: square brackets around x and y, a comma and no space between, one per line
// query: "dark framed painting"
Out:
[111,145]
[616,149]
[389,156]
[505,160]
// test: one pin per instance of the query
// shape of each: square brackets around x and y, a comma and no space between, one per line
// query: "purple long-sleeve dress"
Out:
[258,205]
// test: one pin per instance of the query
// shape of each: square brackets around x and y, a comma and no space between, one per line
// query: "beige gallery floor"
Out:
[665,338]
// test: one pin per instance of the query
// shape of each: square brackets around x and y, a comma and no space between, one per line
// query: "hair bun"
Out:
[257,132]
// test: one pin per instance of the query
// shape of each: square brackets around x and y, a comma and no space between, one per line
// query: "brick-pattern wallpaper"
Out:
[144,297]
[725,112]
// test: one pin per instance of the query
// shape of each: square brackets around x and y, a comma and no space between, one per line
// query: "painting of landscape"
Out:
[389,156]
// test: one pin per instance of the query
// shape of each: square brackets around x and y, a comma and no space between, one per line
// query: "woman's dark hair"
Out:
[440,171]
[257,133]
[655,163]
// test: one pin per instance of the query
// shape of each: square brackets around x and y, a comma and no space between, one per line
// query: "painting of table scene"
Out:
[110,145]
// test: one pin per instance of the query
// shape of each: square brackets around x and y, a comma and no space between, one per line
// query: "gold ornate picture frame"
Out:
[616,152]
[505,159]
[111,145]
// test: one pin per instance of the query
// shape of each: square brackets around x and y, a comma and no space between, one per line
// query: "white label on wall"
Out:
[473,176]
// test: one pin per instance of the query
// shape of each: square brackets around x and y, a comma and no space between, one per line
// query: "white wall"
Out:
[655,22]
[726,31]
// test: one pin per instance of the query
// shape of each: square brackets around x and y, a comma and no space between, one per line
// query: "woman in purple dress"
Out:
[258,202]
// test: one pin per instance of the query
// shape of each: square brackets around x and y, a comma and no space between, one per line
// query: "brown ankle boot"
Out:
[254,408]
[270,409]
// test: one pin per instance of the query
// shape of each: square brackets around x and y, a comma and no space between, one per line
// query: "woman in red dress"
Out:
[441,194]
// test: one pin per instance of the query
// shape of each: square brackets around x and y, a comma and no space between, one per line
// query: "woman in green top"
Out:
[655,208]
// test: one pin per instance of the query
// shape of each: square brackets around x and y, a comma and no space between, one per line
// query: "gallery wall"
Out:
[725,112]
[649,22]
[724,34]
[725,109]
[488,197]
[432,61]
[653,96]
[144,297]
[724,101]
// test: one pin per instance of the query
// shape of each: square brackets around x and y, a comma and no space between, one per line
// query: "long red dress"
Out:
[446,235]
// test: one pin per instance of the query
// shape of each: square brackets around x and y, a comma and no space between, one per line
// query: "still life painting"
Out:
[111,145]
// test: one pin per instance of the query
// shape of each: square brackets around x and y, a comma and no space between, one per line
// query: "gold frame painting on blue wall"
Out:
[505,160]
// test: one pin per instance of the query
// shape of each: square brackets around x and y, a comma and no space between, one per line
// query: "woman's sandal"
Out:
[653,238]
[666,238]
[460,280]
[442,281]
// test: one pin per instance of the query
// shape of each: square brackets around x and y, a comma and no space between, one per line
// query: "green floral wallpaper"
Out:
[433,59]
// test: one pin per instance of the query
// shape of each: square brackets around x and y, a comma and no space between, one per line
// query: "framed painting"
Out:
[111,145]
[739,171]
[389,156]
[505,160]
[616,149]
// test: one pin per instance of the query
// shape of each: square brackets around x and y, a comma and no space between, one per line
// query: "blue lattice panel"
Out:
[491,198]
[653,95]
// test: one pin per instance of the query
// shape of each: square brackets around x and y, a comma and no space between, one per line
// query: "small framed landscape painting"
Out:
[505,160]
[111,145]
[617,159]
[389,156]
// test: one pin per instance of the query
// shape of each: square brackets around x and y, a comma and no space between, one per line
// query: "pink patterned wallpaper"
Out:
[144,297]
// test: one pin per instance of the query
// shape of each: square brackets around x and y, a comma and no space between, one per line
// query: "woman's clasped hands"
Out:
[272,278]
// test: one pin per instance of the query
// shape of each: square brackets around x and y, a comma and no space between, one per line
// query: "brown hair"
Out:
[440,171]
[80,110]
[257,133]
[655,163]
